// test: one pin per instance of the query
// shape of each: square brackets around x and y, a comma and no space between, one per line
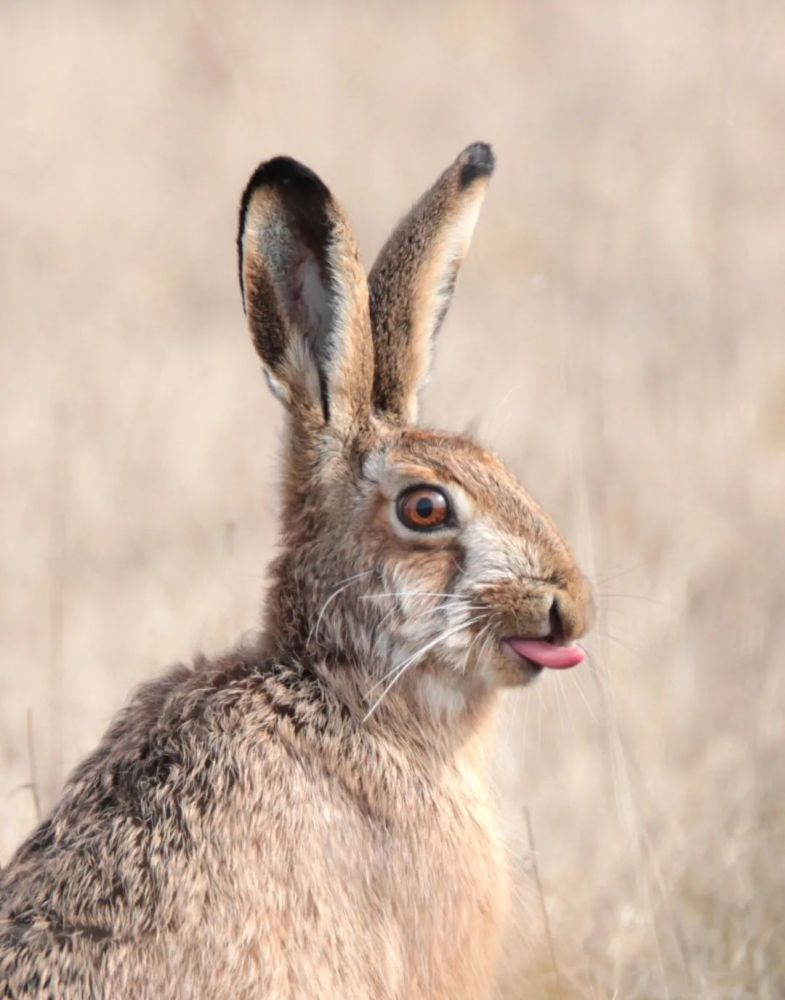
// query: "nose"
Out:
[556,633]
[571,612]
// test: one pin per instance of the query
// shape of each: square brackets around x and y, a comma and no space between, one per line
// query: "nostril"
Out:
[556,622]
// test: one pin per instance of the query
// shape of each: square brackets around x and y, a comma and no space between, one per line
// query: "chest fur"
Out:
[393,895]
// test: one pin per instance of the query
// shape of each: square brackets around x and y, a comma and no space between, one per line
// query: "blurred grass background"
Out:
[617,335]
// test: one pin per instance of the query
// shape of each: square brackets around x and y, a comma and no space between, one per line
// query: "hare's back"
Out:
[233,834]
[155,846]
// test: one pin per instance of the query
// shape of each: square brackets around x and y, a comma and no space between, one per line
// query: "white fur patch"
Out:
[494,555]
[443,697]
[277,388]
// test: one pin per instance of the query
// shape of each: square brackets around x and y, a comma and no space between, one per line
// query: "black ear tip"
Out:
[477,160]
[283,170]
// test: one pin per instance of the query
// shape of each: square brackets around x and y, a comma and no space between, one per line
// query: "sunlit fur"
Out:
[309,815]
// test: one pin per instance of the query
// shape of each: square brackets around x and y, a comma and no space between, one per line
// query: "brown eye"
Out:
[423,508]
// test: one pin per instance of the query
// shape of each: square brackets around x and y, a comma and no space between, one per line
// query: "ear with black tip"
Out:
[412,281]
[305,293]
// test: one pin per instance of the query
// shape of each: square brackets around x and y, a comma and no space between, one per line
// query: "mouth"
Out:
[545,653]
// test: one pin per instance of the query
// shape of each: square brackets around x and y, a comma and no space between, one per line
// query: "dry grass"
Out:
[618,335]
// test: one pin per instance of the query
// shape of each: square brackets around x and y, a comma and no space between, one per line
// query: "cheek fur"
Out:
[494,557]
[433,571]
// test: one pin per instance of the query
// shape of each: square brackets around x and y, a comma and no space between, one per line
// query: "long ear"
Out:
[305,293]
[412,281]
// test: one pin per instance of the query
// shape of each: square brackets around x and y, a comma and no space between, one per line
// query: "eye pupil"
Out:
[424,508]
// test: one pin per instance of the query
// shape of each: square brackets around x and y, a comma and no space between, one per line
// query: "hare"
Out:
[308,816]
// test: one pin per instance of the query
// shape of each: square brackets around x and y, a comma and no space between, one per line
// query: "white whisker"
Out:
[454,601]
[401,668]
[479,638]
[528,701]
[576,681]
[424,649]
[562,695]
[557,691]
[339,590]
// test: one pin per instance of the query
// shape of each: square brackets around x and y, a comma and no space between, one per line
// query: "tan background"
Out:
[617,334]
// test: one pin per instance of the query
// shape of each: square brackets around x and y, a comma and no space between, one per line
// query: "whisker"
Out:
[539,721]
[597,671]
[603,595]
[577,683]
[487,639]
[339,590]
[407,593]
[557,691]
[454,600]
[480,635]
[568,709]
[442,635]
[401,668]
[616,576]
[525,728]
[614,638]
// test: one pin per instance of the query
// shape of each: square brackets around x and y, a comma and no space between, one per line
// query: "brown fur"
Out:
[309,816]
[417,266]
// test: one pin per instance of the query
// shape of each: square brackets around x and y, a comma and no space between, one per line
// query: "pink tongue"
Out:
[546,654]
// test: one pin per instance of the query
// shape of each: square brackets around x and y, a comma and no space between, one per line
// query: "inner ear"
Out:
[313,311]
[306,240]
[313,307]
[298,249]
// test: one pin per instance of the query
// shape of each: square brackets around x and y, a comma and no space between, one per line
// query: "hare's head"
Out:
[406,552]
